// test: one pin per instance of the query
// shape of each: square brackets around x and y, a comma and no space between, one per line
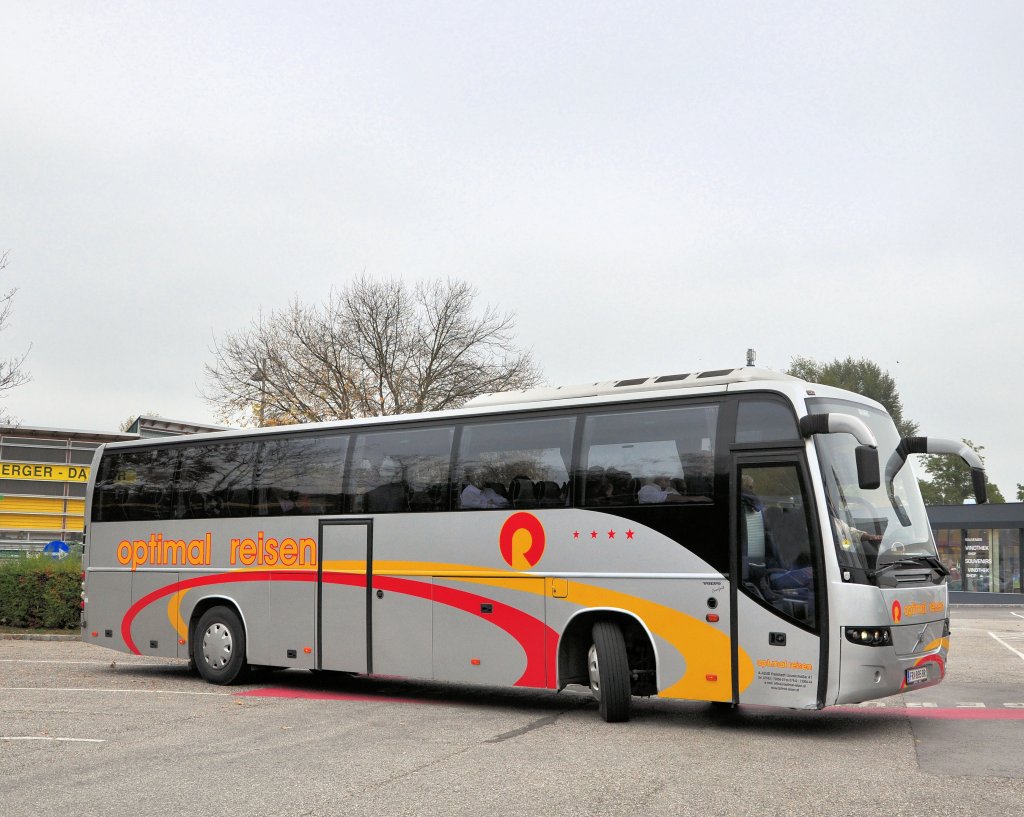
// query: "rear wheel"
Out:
[608,667]
[219,647]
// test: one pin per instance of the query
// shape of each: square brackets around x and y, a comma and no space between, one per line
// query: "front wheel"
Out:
[219,647]
[608,666]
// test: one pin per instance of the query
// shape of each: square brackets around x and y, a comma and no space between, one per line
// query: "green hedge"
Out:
[41,592]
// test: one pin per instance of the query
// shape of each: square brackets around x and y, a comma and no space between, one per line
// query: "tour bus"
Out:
[736,536]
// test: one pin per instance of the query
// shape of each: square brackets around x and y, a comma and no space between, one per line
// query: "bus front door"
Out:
[779,605]
[344,595]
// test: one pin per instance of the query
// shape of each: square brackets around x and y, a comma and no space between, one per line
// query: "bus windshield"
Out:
[866,524]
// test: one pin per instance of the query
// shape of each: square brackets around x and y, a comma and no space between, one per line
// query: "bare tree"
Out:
[11,372]
[373,348]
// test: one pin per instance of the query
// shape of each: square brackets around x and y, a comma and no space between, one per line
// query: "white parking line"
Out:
[62,740]
[94,663]
[1016,614]
[1018,653]
[101,689]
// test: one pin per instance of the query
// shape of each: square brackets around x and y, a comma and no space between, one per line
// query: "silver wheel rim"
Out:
[595,676]
[217,644]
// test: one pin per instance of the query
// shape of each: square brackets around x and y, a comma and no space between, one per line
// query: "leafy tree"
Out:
[1020,492]
[950,480]
[11,372]
[373,348]
[861,376]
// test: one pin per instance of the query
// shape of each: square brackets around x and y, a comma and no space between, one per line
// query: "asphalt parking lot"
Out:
[86,731]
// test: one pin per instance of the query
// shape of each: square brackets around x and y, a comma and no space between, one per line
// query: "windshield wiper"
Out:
[912,561]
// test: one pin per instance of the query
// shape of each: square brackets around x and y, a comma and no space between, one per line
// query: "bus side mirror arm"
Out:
[868,471]
[933,445]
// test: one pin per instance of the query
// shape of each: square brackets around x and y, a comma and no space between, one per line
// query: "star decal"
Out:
[629,534]
[575,534]
[611,534]
[593,534]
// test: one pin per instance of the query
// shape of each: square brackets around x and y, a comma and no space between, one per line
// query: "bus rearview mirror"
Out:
[868,472]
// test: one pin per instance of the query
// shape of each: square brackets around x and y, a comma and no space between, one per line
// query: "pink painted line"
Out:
[321,695]
[966,714]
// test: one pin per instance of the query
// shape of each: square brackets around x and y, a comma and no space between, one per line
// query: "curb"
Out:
[38,637]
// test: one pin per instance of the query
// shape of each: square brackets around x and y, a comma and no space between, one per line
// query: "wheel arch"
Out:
[208,603]
[641,647]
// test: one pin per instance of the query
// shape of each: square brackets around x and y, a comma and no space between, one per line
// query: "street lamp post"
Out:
[260,376]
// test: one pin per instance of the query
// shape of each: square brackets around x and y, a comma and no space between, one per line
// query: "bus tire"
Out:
[219,650]
[608,667]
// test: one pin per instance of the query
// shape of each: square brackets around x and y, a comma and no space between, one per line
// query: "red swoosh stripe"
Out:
[538,641]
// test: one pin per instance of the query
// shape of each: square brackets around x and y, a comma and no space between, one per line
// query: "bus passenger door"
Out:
[779,599]
[344,595]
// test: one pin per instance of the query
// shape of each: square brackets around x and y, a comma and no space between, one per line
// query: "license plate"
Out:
[917,675]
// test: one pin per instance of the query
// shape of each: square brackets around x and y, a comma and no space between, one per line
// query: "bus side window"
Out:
[650,456]
[521,464]
[215,481]
[141,485]
[301,475]
[405,469]
[760,420]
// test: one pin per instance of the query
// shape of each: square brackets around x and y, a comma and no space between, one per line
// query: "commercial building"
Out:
[43,473]
[981,547]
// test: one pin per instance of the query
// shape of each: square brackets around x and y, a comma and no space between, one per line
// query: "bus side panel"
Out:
[292,622]
[692,653]
[108,597]
[251,598]
[491,635]
[786,659]
[401,612]
[153,629]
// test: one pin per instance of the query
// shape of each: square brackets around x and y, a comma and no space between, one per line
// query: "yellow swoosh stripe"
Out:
[705,648]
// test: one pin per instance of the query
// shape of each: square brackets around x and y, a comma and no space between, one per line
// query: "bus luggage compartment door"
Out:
[343,598]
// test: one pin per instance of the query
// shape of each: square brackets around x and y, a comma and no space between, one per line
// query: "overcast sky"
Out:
[650,187]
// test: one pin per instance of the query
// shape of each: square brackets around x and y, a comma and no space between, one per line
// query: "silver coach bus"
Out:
[736,536]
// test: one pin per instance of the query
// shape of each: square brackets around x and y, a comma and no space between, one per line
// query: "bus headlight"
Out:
[869,636]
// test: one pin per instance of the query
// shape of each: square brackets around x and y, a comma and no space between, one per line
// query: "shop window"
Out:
[978,560]
[1008,550]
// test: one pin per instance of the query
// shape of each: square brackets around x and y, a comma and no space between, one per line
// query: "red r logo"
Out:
[522,541]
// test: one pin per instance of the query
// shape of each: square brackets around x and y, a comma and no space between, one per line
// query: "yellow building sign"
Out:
[52,473]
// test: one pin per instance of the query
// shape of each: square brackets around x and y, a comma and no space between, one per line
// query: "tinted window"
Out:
[515,464]
[763,420]
[401,470]
[35,454]
[215,481]
[777,557]
[301,475]
[653,456]
[38,488]
[136,485]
